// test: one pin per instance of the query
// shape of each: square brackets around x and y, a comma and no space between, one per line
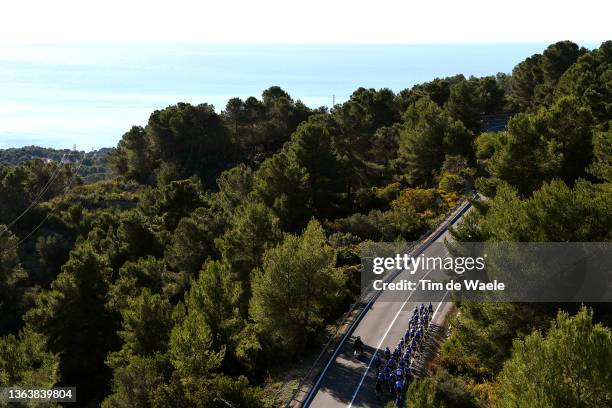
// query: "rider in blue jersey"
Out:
[408,375]
[399,387]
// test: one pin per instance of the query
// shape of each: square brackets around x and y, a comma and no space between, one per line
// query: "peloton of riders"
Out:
[393,372]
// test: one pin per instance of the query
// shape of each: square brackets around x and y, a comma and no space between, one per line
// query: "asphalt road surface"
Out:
[349,381]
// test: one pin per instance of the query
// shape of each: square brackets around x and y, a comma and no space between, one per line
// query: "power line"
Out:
[49,213]
[36,199]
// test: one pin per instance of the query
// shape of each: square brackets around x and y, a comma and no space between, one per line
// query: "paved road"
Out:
[348,381]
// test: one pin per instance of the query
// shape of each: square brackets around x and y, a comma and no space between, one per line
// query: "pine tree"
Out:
[296,283]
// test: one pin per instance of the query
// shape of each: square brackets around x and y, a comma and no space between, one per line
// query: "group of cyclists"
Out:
[393,368]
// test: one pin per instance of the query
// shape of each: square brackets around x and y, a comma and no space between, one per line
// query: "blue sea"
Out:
[89,95]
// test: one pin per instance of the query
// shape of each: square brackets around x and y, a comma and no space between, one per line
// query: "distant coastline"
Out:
[57,96]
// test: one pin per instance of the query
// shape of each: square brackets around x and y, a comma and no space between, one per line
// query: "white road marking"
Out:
[365,373]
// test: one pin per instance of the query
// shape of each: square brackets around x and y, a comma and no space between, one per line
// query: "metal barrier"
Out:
[427,239]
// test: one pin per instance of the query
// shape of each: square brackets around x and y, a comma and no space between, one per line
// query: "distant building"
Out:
[67,160]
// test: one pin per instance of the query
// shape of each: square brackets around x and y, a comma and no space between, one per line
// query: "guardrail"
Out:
[430,237]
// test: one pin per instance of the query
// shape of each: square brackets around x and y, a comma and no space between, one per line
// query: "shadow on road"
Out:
[342,379]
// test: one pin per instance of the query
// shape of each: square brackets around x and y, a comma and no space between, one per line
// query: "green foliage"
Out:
[366,111]
[589,81]
[533,80]
[555,213]
[135,383]
[571,366]
[73,316]
[456,175]
[131,158]
[215,297]
[554,142]
[190,139]
[470,99]
[92,166]
[482,337]
[430,133]
[193,240]
[296,284]
[412,213]
[26,363]
[191,345]
[165,206]
[254,229]
[377,225]
[437,90]
[602,150]
[217,392]
[313,149]
[440,391]
[148,313]
[12,276]
[146,273]
[24,186]
[234,185]
[143,286]
[383,154]
[283,186]
[487,143]
[259,128]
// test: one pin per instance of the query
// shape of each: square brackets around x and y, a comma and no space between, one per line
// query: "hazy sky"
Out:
[318,21]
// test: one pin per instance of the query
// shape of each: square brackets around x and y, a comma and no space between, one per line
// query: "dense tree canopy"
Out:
[294,285]
[569,367]
[223,243]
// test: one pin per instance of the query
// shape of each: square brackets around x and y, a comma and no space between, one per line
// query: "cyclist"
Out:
[358,346]
[430,308]
[388,378]
[399,387]
[387,353]
[408,375]
[407,336]
[392,379]
[377,361]
[380,385]
[421,309]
